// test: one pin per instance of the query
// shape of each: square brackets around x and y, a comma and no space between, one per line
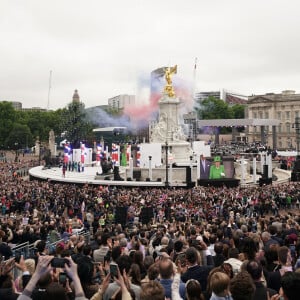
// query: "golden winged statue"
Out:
[169,71]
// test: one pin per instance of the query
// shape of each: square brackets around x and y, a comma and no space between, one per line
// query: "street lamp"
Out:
[16,149]
[150,168]
[39,153]
[297,127]
[167,172]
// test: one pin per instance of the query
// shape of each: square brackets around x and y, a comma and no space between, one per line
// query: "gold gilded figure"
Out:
[169,71]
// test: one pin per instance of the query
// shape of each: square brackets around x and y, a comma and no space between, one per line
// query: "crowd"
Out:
[199,243]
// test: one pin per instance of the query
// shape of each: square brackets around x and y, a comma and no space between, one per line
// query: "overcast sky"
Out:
[107,48]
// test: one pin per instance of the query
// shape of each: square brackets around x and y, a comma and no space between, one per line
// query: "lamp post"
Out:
[150,168]
[167,172]
[297,127]
[39,153]
[16,149]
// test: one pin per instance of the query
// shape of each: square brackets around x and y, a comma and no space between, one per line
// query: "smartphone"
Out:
[113,270]
[62,277]
[58,262]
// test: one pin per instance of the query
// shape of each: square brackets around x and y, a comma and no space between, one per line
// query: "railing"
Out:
[21,249]
[28,250]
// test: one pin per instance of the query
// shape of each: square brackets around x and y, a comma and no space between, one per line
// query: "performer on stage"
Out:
[217,170]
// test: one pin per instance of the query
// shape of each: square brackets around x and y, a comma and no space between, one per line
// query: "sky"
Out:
[108,48]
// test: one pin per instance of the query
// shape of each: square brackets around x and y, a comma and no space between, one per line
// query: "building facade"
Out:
[119,102]
[284,107]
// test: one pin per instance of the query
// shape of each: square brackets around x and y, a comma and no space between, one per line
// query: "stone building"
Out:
[121,101]
[284,107]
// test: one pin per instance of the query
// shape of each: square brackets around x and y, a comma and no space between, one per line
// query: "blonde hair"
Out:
[30,264]
[219,282]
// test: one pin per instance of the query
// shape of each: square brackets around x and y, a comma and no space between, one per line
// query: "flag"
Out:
[138,156]
[115,149]
[66,153]
[98,154]
[82,149]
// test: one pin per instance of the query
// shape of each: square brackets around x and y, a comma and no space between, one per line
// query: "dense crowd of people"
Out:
[199,243]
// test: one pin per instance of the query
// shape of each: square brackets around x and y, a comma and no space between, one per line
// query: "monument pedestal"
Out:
[168,130]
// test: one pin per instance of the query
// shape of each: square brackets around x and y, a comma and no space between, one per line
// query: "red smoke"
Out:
[144,112]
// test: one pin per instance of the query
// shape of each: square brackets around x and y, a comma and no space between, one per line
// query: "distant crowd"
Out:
[199,243]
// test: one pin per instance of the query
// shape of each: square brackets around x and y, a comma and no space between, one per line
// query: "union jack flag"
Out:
[115,153]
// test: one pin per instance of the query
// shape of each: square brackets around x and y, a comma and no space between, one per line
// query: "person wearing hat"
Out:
[216,170]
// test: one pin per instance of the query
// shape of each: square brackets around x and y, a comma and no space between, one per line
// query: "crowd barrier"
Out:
[28,250]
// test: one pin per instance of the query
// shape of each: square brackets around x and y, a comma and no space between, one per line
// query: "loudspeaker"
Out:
[121,215]
[146,215]
[295,176]
[265,181]
[137,174]
[188,175]
[147,179]
[266,171]
[191,184]
[296,166]
[117,175]
[129,179]
[158,179]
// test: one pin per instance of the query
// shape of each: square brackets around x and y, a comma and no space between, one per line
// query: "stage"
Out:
[88,176]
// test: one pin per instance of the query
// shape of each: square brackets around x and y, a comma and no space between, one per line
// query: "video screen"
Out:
[228,163]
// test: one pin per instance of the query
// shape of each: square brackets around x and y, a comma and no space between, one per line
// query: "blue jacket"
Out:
[167,285]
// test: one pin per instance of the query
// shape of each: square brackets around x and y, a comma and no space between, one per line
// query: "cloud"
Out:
[102,48]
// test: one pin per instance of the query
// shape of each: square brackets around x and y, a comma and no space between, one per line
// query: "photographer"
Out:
[43,269]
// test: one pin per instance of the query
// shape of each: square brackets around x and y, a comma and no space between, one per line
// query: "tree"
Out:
[40,122]
[20,137]
[212,108]
[7,120]
[238,111]
[75,124]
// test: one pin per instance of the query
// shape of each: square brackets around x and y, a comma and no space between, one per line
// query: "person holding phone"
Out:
[123,264]
[43,268]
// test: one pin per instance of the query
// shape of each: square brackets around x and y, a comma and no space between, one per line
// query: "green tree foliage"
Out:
[40,122]
[238,111]
[212,108]
[7,120]
[75,124]
[20,137]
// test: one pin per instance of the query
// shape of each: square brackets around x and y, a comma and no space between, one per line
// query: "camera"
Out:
[58,262]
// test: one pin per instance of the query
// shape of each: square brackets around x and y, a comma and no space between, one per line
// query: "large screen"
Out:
[228,162]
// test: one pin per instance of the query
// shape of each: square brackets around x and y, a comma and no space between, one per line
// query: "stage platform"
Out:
[86,177]
[89,176]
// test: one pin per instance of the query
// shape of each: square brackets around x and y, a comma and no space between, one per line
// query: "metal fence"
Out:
[28,250]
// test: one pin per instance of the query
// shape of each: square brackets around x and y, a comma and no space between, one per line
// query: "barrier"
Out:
[28,250]
[21,249]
